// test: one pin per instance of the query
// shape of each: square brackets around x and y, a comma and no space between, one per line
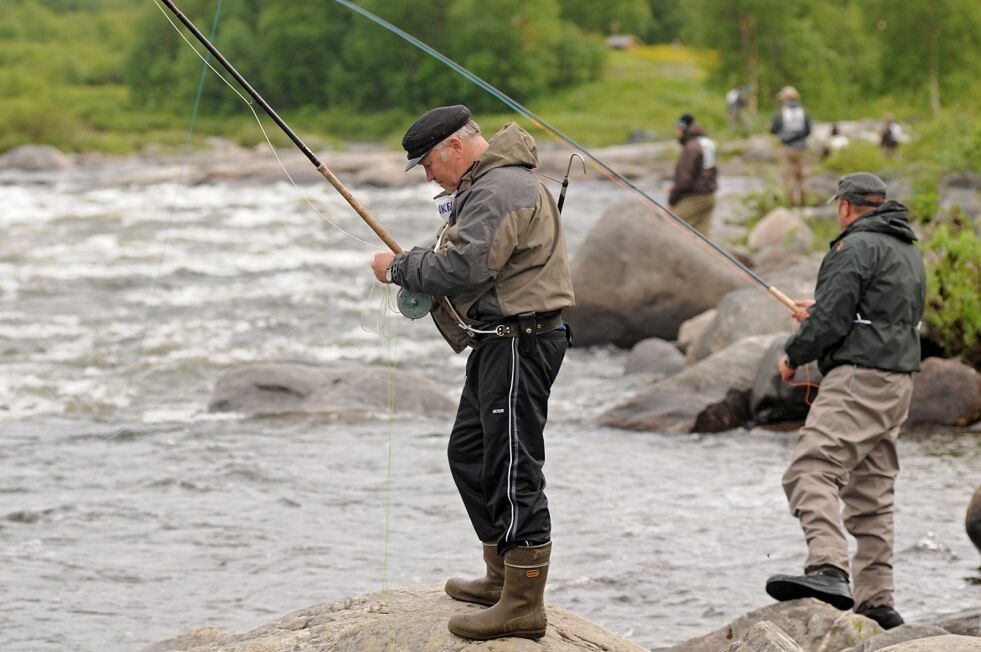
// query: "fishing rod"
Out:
[411,304]
[521,109]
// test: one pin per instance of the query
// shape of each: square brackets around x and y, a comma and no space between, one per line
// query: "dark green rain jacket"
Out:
[869,298]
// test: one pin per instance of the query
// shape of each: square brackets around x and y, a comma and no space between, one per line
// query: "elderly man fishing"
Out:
[863,330]
[500,264]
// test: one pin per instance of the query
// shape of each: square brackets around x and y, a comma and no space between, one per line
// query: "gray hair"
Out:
[466,132]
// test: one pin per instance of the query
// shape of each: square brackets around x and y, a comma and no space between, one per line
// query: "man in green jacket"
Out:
[500,265]
[862,328]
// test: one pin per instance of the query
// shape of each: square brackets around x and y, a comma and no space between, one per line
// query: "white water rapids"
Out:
[129,514]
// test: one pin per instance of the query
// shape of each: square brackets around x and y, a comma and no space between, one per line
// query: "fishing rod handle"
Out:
[784,299]
[359,209]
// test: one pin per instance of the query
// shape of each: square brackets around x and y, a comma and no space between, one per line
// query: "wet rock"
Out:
[945,392]
[781,229]
[812,624]
[691,329]
[655,356]
[412,618]
[740,314]
[764,636]
[772,400]
[197,638]
[35,158]
[972,521]
[282,388]
[900,634]
[636,277]
[965,623]
[710,396]
[387,173]
[949,643]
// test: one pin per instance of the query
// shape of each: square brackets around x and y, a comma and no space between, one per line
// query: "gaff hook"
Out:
[565,181]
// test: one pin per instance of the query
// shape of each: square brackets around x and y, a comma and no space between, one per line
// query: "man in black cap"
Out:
[692,197]
[500,265]
[862,328]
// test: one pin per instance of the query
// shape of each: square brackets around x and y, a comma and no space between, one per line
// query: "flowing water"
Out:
[129,514]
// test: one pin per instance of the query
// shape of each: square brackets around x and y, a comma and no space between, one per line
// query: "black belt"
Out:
[517,327]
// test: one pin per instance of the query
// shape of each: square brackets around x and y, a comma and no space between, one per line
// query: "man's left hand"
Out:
[380,263]
[786,373]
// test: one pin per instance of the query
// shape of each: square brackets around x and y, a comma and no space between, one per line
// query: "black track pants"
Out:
[497,448]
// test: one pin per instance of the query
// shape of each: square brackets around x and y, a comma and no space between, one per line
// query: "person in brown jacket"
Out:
[499,264]
[692,197]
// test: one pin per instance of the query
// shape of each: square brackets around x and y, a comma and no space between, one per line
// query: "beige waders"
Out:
[847,451]
[696,210]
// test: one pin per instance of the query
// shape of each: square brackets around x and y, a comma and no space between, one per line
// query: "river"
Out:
[128,513]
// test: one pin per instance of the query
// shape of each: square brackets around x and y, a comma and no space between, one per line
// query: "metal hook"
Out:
[568,168]
[565,181]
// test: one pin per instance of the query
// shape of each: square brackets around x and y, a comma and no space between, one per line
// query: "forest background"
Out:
[114,76]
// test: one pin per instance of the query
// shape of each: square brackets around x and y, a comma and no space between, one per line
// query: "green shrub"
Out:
[858,155]
[953,307]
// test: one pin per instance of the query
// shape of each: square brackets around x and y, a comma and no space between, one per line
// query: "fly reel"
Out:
[414,305]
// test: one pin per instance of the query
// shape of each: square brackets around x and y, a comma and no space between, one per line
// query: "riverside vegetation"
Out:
[113,76]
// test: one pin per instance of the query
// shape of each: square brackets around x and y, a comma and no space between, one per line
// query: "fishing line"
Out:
[249,103]
[185,152]
[380,231]
[572,144]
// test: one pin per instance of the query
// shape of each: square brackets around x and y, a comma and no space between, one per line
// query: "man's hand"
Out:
[804,308]
[786,373]
[380,262]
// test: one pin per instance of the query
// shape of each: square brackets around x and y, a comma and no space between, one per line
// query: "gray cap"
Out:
[857,189]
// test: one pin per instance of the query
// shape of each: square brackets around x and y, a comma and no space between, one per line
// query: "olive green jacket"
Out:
[869,298]
[502,251]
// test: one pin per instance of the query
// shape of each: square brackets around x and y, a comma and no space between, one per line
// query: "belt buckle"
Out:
[501,330]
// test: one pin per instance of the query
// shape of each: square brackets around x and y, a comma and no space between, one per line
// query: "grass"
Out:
[646,88]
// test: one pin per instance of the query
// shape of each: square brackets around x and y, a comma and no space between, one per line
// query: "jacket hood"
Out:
[512,145]
[892,218]
[694,130]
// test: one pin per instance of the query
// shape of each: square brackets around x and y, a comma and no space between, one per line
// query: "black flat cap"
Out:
[432,128]
[854,188]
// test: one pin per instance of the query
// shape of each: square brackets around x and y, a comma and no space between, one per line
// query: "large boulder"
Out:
[691,329]
[285,388]
[900,634]
[812,624]
[655,356]
[772,400]
[765,637]
[965,623]
[752,311]
[781,229]
[638,276]
[35,158]
[412,618]
[946,392]
[949,643]
[741,313]
[972,520]
[710,396]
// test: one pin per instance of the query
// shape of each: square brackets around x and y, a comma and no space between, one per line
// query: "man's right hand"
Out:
[803,308]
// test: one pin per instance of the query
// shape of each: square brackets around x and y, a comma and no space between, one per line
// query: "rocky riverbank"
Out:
[414,618]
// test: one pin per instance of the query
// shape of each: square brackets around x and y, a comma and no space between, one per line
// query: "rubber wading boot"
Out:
[887,617]
[484,590]
[826,583]
[521,609]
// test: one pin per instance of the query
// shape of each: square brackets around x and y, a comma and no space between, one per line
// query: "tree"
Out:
[931,45]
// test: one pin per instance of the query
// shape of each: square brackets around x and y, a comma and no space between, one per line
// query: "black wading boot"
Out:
[826,583]
[887,617]
[483,590]
[521,609]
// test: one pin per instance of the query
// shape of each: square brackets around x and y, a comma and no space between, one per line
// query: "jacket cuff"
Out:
[394,270]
